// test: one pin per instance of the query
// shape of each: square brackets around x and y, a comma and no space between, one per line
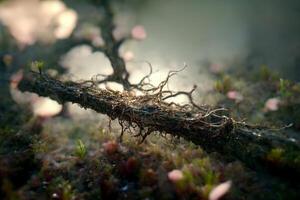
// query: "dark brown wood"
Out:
[256,148]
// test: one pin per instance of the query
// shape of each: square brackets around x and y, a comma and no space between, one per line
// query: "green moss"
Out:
[284,88]
[275,155]
[61,189]
[285,158]
[80,150]
[223,85]
[38,65]
[67,191]
[265,74]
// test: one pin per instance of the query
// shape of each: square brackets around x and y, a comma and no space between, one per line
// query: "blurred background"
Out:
[207,36]
[243,55]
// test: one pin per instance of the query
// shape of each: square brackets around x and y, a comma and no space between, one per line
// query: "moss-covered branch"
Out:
[256,148]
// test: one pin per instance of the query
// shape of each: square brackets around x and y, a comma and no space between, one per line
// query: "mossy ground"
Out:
[65,158]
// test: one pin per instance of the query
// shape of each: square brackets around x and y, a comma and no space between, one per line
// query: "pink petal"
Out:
[272,104]
[234,95]
[175,175]
[128,56]
[138,32]
[219,190]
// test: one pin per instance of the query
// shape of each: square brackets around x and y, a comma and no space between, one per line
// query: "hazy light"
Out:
[66,22]
[32,20]
[41,106]
[83,63]
[45,107]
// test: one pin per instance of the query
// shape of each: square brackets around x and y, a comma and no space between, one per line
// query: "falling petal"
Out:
[220,190]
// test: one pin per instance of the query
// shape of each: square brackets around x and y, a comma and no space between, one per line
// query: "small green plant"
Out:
[266,74]
[284,88]
[39,146]
[80,149]
[67,192]
[223,85]
[39,65]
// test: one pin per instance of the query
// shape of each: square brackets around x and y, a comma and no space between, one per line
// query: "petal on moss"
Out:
[175,175]
[272,104]
[220,190]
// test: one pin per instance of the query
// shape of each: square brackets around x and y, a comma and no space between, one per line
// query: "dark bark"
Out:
[258,149]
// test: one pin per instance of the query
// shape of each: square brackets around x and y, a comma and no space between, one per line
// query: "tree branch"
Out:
[256,148]
[111,47]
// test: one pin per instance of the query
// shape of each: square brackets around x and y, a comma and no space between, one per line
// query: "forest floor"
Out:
[67,158]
